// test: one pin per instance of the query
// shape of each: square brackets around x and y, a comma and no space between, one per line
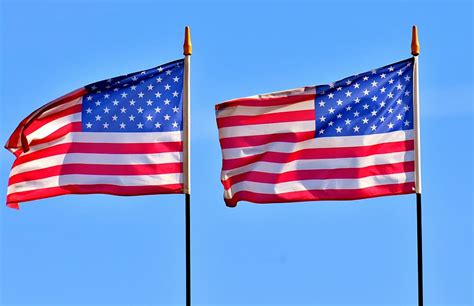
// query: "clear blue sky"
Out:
[105,250]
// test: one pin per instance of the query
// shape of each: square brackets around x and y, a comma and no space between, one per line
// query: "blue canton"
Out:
[146,101]
[378,101]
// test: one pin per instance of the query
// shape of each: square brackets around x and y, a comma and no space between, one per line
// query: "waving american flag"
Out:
[350,139]
[120,136]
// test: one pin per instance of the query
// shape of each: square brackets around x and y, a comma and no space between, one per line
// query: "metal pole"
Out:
[415,51]
[187,51]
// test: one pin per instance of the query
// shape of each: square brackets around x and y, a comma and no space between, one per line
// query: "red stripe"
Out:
[102,148]
[268,101]
[145,169]
[320,153]
[13,141]
[319,174]
[39,122]
[300,115]
[251,141]
[318,195]
[88,189]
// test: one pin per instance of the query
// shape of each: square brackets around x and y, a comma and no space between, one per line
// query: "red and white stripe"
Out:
[54,157]
[270,154]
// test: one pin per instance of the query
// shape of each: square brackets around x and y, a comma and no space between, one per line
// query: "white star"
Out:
[374,112]
[365,121]
[356,128]
[159,79]
[133,87]
[382,90]
[150,87]
[116,89]
[390,95]
[357,100]
[167,87]
[382,119]
[175,124]
[406,108]
[331,110]
[338,129]
[168,72]
[373,127]
[407,78]
[167,117]
[175,94]
[374,98]
[366,92]
[390,81]
[356,85]
[356,114]
[390,125]
[98,117]
[175,109]
[131,117]
[374,71]
[348,108]
[374,84]
[348,82]
[391,68]
[366,78]
[106,110]
[330,123]
[141,94]
[105,125]
[124,95]
[347,121]
[382,104]
[400,72]
[331,95]
[339,88]
[160,69]
[382,76]
[89,125]
[321,131]
[331,85]
[89,110]
[176,79]
[89,98]
[167,102]
[149,117]
[157,125]
[106,96]
[339,102]
[157,110]
[407,93]
[140,110]
[348,93]
[339,116]
[93,87]
[322,103]
[390,110]
[132,102]
[123,110]
[322,118]
[115,102]
[365,106]
[407,123]
[140,125]
[122,125]
[149,102]
[97,103]
[158,94]
[399,117]
[399,86]
[134,78]
[399,101]
[114,117]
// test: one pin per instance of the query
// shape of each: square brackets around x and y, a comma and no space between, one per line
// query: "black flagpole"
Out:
[415,51]
[187,51]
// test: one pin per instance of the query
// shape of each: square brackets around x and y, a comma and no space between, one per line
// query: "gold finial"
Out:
[415,44]
[187,47]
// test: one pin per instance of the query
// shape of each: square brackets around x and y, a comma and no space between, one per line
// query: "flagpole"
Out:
[415,51]
[187,51]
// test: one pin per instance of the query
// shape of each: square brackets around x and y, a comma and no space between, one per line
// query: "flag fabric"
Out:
[121,136]
[347,140]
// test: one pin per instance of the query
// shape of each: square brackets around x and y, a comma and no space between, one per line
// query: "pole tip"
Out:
[415,44]
[187,47]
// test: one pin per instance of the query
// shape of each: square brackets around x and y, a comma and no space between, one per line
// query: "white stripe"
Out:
[323,142]
[259,110]
[267,129]
[307,90]
[98,159]
[85,179]
[371,181]
[315,164]
[99,137]
[53,126]
[61,107]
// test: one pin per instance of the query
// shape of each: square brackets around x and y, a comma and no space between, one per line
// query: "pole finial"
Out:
[415,44]
[187,47]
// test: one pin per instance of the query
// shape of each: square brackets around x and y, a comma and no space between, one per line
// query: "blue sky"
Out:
[105,250]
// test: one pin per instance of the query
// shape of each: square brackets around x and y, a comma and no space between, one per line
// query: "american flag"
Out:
[350,139]
[120,136]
